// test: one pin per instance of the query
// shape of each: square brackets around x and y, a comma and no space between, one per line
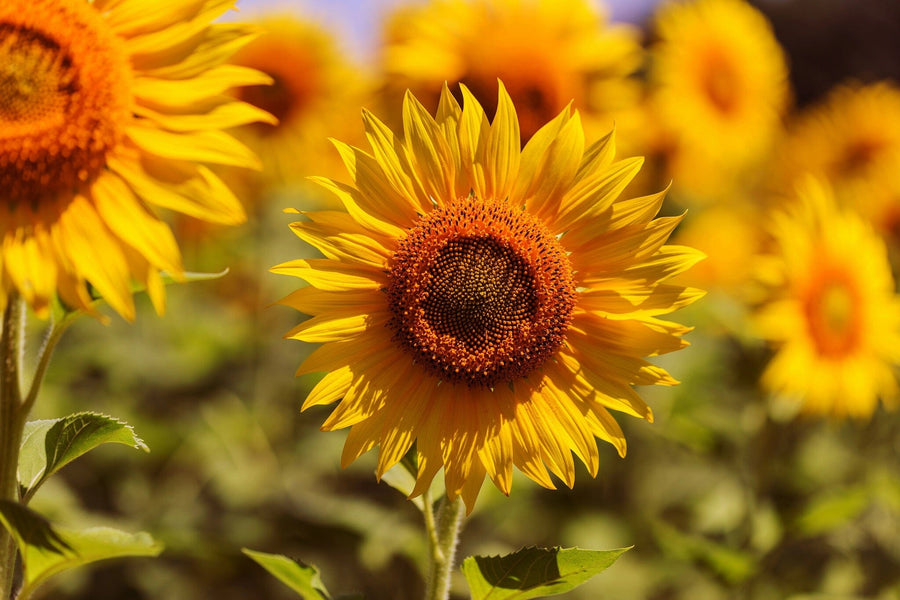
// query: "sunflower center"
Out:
[859,155]
[833,315]
[480,292]
[63,96]
[295,80]
[720,83]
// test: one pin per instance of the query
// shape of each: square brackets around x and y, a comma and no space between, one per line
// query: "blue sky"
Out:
[356,22]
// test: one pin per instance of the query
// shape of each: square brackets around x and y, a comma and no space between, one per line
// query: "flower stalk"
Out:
[12,423]
[443,535]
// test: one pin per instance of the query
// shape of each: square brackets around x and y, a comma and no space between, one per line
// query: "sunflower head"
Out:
[108,111]
[488,303]
[832,314]
[315,93]
[852,139]
[719,87]
[477,42]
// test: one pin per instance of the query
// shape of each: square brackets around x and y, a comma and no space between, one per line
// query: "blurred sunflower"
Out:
[487,302]
[546,53]
[852,139]
[719,87]
[106,110]
[833,314]
[316,94]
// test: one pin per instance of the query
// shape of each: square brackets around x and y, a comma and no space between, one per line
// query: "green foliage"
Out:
[301,578]
[829,512]
[731,564]
[401,479]
[47,550]
[534,572]
[49,445]
[189,276]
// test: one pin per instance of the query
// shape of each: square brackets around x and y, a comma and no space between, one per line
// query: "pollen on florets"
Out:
[64,97]
[480,292]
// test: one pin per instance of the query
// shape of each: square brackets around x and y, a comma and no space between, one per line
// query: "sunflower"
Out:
[107,110]
[316,94]
[852,139]
[487,302]
[547,53]
[719,88]
[832,314]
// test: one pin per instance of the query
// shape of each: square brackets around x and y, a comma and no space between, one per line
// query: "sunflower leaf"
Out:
[534,572]
[189,276]
[303,579]
[833,510]
[47,550]
[401,480]
[49,445]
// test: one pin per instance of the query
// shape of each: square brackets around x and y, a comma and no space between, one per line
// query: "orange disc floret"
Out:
[64,96]
[295,74]
[832,305]
[480,292]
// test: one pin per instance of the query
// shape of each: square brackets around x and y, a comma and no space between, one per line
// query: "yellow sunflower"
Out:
[851,138]
[719,88]
[316,94]
[833,314]
[487,302]
[107,111]
[547,53]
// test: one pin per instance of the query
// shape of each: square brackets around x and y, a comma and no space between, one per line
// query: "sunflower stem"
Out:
[57,328]
[443,535]
[12,423]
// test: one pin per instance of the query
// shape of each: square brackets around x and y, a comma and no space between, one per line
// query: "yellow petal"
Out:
[131,222]
[503,148]
[81,235]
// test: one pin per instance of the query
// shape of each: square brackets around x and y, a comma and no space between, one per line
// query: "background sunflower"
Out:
[475,43]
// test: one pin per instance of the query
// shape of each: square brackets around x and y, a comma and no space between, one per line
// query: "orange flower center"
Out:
[720,82]
[833,314]
[859,155]
[295,76]
[480,292]
[64,96]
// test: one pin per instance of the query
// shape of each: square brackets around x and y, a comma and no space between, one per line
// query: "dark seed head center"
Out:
[480,292]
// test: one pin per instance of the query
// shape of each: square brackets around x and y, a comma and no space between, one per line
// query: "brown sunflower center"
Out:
[859,155]
[64,96]
[833,314]
[295,74]
[480,292]
[720,82]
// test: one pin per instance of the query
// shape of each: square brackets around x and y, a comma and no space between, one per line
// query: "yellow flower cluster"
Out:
[490,277]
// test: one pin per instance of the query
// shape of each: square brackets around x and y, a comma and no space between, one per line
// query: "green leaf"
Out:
[827,513]
[303,579]
[49,445]
[47,550]
[399,478]
[731,564]
[189,276]
[534,572]
[167,279]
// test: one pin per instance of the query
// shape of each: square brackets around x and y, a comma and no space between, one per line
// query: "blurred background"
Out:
[725,495]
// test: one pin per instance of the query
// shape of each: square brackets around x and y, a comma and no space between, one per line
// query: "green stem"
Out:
[57,328]
[443,535]
[12,422]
